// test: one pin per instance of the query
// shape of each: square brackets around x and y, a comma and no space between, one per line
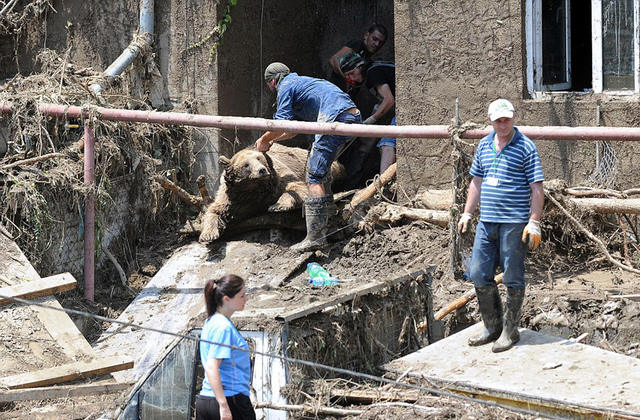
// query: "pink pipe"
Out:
[89,211]
[360,130]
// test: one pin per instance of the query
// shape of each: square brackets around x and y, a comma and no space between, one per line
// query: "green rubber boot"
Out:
[491,309]
[512,313]
[316,215]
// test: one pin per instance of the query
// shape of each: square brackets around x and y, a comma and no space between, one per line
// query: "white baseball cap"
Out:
[500,108]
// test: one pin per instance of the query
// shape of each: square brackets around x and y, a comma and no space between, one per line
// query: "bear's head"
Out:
[247,165]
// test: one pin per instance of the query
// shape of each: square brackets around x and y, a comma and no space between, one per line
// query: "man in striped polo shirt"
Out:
[507,182]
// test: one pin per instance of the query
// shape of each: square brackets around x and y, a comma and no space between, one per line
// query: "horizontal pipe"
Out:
[358,130]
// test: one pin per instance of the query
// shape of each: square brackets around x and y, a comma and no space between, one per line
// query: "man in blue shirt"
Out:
[507,182]
[310,99]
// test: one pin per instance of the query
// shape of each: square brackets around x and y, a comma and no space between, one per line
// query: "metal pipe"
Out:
[360,130]
[89,211]
[135,47]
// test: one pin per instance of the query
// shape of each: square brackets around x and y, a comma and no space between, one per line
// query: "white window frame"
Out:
[533,39]
[533,15]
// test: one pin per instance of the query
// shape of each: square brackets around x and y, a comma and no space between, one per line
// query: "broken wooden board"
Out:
[66,373]
[38,288]
[63,391]
[541,373]
[16,269]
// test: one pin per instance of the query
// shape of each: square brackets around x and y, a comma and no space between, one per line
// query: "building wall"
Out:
[475,51]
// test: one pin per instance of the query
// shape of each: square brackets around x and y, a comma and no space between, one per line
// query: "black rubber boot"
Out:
[355,167]
[316,216]
[512,313]
[491,309]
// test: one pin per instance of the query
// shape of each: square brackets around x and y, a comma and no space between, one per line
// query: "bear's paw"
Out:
[286,202]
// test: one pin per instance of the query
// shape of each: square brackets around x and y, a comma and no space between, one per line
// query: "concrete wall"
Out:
[475,51]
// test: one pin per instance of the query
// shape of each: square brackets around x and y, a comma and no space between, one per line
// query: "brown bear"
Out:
[253,183]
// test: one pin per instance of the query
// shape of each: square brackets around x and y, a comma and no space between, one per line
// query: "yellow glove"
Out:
[463,223]
[532,234]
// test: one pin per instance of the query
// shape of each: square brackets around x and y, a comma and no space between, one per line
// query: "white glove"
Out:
[463,223]
[532,234]
[370,120]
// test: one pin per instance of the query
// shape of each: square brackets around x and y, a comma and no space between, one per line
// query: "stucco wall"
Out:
[475,51]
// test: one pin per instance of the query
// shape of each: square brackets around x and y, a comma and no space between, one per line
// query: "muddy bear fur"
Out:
[254,183]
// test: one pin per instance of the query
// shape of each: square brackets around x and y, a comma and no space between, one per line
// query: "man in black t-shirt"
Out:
[380,77]
[373,41]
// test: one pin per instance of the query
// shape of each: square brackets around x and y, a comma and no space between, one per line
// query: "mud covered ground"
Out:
[565,297]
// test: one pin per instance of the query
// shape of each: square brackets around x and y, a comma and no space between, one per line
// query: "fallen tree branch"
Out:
[608,205]
[461,301]
[308,409]
[394,213]
[592,192]
[595,239]
[123,277]
[436,199]
[192,200]
[32,160]
[370,190]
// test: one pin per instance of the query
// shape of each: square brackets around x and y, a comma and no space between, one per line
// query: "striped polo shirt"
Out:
[515,167]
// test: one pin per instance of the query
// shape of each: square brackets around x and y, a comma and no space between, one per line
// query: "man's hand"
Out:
[370,120]
[463,223]
[263,145]
[532,234]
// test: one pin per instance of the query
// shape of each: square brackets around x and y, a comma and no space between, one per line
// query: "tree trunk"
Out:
[608,205]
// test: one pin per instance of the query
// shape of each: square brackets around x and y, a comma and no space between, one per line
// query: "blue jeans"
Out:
[388,141]
[498,245]
[325,150]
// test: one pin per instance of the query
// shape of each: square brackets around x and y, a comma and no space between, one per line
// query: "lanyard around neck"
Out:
[498,156]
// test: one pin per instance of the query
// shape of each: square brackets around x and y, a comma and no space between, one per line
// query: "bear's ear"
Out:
[224,161]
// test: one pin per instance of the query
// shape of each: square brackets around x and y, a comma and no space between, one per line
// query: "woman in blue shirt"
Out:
[224,354]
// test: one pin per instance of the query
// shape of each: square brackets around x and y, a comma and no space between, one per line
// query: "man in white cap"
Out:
[309,99]
[507,182]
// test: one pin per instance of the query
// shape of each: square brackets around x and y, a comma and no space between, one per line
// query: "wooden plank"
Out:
[65,373]
[38,288]
[62,329]
[65,391]
[17,270]
[351,295]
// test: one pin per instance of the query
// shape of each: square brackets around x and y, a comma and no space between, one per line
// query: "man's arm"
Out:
[265,141]
[537,201]
[334,61]
[473,195]
[388,101]
[473,198]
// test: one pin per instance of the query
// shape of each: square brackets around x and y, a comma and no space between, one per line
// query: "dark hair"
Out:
[215,289]
[380,28]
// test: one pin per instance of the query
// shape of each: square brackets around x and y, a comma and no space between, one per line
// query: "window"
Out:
[581,46]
